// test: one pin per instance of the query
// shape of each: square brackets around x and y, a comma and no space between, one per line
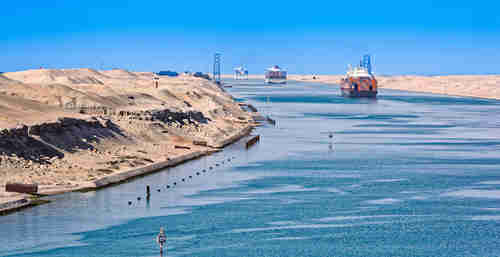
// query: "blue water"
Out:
[405,175]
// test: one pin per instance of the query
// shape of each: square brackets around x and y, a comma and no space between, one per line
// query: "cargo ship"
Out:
[240,73]
[359,81]
[275,75]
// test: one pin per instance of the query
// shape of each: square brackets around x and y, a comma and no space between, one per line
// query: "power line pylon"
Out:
[217,68]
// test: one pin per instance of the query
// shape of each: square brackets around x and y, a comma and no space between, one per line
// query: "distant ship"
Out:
[275,75]
[359,81]
[240,73]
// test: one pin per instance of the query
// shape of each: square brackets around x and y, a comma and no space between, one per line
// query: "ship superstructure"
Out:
[275,75]
[359,81]
[240,73]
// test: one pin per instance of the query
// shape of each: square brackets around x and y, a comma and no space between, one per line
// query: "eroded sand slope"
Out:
[64,128]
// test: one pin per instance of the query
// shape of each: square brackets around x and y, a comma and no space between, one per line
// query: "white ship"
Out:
[240,73]
[275,75]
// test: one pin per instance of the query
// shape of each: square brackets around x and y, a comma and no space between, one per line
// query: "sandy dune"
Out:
[64,128]
[482,86]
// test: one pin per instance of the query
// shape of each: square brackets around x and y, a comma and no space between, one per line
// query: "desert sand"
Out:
[481,86]
[66,129]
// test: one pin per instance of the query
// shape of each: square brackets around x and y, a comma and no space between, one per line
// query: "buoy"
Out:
[204,170]
[197,173]
[168,186]
[190,176]
[183,180]
[159,190]
[210,167]
[161,239]
[138,198]
[129,202]
[175,183]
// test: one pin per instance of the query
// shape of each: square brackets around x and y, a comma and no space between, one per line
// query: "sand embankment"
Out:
[81,128]
[481,86]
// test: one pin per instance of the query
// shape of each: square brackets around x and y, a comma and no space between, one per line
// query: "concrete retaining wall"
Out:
[235,137]
[6,208]
[123,176]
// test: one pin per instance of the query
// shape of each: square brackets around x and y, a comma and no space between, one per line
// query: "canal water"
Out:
[407,174]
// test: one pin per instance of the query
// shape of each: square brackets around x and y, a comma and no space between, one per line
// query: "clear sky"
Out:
[404,37]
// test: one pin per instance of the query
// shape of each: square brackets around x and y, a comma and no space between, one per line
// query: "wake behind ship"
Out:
[359,81]
[275,75]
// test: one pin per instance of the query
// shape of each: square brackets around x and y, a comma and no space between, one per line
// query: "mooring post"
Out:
[148,192]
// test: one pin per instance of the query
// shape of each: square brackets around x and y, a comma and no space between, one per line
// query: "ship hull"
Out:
[347,92]
[275,81]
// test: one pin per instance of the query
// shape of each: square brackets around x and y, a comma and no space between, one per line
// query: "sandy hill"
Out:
[72,89]
[483,86]
[16,111]
[62,128]
[79,87]
[120,74]
[6,81]
[65,76]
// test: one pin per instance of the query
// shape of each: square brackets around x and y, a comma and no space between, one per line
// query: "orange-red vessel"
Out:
[359,82]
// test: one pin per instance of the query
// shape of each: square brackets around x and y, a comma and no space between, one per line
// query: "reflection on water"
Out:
[405,175]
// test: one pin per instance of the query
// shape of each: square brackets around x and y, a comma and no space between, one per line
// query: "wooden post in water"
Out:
[253,141]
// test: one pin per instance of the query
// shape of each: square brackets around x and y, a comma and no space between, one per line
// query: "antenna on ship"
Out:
[367,63]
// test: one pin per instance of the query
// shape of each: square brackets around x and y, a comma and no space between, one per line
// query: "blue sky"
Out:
[404,37]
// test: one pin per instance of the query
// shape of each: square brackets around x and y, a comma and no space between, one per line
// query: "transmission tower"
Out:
[217,68]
